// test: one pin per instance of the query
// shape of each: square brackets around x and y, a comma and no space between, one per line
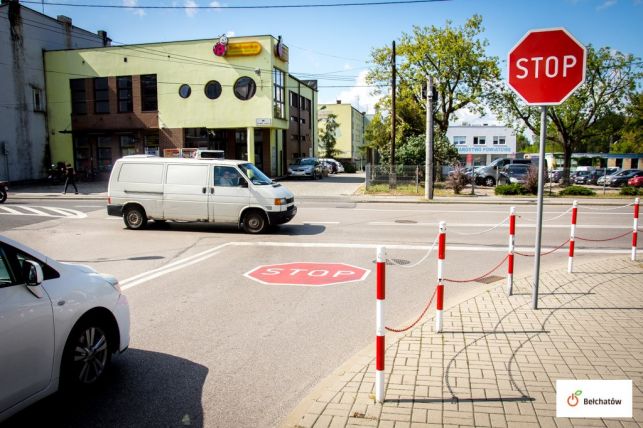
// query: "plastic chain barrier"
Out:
[546,253]
[549,219]
[606,239]
[587,207]
[392,261]
[402,330]
[479,277]
[484,231]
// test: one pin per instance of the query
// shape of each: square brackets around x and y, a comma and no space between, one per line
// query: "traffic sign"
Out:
[307,274]
[546,66]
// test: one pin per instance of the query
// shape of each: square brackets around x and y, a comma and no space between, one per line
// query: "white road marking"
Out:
[481,225]
[518,211]
[204,255]
[42,211]
[321,222]
[89,206]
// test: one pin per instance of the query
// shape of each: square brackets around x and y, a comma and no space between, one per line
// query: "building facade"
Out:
[480,145]
[302,131]
[349,133]
[24,35]
[227,94]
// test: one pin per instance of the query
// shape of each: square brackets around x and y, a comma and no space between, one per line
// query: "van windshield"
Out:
[254,174]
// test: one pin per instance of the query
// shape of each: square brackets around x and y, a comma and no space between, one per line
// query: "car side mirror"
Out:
[33,276]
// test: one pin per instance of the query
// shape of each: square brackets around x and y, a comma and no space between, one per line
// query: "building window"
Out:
[38,104]
[459,140]
[307,107]
[101,95]
[245,88]
[479,140]
[279,93]
[213,89]
[185,91]
[294,100]
[128,147]
[149,97]
[499,140]
[104,153]
[124,85]
[78,98]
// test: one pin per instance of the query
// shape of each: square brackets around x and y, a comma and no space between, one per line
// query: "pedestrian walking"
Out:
[71,178]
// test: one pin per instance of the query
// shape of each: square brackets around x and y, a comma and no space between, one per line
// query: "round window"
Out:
[213,89]
[245,88]
[185,91]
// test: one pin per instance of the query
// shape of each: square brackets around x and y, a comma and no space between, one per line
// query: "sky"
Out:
[333,44]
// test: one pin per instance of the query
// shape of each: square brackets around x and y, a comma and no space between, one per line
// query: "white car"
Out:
[60,324]
[338,166]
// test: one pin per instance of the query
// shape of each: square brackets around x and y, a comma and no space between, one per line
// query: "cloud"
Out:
[607,4]
[230,33]
[360,95]
[132,4]
[215,4]
[190,8]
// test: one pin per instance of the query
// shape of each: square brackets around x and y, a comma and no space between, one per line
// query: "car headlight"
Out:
[280,201]
[513,180]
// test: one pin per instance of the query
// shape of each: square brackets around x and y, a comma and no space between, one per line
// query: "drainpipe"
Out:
[299,116]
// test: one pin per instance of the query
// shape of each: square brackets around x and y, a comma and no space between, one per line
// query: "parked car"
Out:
[600,173]
[605,178]
[636,181]
[337,166]
[582,177]
[488,175]
[306,167]
[555,175]
[620,178]
[61,324]
[514,173]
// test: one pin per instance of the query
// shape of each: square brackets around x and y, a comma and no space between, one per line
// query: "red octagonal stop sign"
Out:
[546,66]
[311,274]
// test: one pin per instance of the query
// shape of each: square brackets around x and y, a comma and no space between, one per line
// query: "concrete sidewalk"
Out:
[497,362]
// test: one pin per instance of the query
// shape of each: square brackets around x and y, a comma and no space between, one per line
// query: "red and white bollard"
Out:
[570,264]
[512,242]
[380,330]
[635,228]
[439,298]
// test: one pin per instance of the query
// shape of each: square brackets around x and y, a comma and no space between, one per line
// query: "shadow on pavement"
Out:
[142,389]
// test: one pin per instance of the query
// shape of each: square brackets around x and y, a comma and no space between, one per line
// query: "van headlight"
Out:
[280,201]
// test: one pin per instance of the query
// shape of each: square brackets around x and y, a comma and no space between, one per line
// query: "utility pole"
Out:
[392,179]
[428,157]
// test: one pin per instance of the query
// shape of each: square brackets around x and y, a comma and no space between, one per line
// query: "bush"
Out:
[576,191]
[531,181]
[457,180]
[349,167]
[629,191]
[511,189]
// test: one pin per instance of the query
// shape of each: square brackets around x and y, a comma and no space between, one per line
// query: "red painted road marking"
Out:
[307,274]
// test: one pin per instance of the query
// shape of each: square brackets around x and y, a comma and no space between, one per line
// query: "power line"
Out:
[272,6]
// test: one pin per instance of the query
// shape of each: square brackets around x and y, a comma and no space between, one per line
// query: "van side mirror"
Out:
[243,182]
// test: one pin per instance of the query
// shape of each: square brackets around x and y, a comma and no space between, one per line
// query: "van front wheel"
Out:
[134,218]
[254,222]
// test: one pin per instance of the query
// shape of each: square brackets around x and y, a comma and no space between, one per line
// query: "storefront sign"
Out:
[463,150]
[226,49]
[263,121]
[281,51]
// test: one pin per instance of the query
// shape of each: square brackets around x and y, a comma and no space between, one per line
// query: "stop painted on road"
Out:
[307,274]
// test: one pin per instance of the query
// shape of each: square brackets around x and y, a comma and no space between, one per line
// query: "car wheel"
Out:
[489,181]
[254,222]
[134,218]
[87,354]
[3,196]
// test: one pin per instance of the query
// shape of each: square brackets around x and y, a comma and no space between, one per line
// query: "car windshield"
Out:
[254,174]
[305,161]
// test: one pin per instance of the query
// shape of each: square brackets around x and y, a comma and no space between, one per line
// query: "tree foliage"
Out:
[610,81]
[454,56]
[327,137]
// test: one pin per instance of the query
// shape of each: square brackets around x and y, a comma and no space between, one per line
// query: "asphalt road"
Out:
[210,347]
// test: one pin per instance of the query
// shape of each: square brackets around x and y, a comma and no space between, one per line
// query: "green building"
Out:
[227,94]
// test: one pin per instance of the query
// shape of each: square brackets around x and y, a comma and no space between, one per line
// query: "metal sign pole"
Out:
[539,213]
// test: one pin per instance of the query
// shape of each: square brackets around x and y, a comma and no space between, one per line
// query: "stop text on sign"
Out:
[549,67]
[307,273]
[546,66]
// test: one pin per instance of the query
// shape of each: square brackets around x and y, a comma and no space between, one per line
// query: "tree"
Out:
[610,79]
[632,134]
[327,137]
[454,56]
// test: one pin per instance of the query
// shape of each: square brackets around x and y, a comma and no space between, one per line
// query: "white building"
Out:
[24,34]
[481,144]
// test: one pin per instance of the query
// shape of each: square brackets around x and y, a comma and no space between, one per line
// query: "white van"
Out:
[143,188]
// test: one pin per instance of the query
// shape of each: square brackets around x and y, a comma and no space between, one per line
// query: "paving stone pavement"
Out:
[497,361]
